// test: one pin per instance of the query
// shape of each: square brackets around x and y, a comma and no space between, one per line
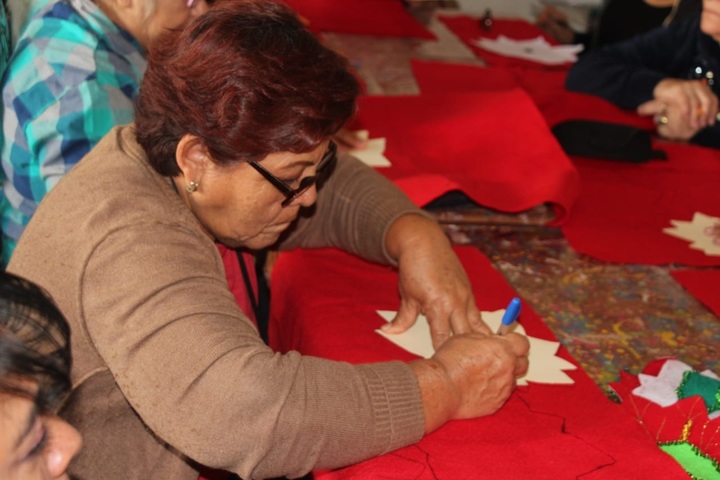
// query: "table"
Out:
[543,431]
[610,317]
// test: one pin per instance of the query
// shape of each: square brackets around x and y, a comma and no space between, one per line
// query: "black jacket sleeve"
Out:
[626,73]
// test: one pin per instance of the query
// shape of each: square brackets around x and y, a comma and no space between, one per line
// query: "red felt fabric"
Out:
[622,208]
[703,285]
[324,304]
[468,30]
[362,17]
[472,142]
[443,77]
[545,87]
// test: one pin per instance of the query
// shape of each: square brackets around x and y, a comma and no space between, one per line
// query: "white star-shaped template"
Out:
[374,152]
[545,366]
[699,231]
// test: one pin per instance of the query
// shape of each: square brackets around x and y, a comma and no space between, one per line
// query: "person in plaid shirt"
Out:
[73,75]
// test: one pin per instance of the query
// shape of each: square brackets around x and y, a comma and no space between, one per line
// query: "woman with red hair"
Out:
[232,145]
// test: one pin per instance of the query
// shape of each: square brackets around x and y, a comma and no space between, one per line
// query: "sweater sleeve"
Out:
[626,73]
[195,370]
[355,208]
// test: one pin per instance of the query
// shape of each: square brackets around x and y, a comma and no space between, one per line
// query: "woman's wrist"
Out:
[440,398]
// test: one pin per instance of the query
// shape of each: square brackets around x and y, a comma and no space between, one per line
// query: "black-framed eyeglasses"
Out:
[290,193]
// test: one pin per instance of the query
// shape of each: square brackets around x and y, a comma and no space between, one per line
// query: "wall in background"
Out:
[577,10]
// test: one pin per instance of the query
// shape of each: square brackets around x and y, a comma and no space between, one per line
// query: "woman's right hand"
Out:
[470,375]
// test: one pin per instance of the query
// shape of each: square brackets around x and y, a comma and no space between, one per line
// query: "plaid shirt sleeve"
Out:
[71,79]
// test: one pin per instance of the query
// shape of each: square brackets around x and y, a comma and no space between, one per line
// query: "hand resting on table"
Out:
[681,108]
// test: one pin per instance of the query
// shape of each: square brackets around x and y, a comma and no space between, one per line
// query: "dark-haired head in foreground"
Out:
[34,379]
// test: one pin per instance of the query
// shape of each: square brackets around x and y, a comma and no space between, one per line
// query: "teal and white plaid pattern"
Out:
[4,39]
[73,75]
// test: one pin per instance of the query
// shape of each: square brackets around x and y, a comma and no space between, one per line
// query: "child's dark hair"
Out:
[34,344]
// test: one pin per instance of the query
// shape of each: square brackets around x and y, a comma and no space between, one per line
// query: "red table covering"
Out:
[468,30]
[703,285]
[495,147]
[362,17]
[623,208]
[324,304]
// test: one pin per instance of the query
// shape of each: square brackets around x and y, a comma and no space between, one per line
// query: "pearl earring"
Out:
[191,186]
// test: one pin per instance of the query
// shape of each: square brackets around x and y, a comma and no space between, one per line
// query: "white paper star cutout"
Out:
[699,231]
[545,365]
[374,153]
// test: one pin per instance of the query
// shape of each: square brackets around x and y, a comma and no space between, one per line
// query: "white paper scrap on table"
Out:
[373,153]
[536,49]
[545,365]
[697,231]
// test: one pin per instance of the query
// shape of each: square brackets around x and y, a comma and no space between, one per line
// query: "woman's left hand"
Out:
[681,108]
[432,281]
[669,122]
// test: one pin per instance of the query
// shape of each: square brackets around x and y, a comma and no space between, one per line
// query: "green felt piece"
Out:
[699,466]
[693,383]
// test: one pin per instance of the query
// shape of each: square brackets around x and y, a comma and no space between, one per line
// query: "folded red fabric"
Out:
[362,17]
[468,30]
[324,304]
[495,147]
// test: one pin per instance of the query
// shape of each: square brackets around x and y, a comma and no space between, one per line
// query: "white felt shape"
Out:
[696,232]
[374,152]
[662,390]
[545,366]
[536,49]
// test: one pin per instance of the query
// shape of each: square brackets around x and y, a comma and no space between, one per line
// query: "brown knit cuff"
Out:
[397,403]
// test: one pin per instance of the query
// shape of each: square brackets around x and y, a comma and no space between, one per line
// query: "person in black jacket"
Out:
[669,73]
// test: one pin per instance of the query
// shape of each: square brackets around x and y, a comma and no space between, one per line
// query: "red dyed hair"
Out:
[248,79]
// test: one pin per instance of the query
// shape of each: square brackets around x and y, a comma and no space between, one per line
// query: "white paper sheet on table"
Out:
[545,365]
[536,49]
[374,153]
[697,231]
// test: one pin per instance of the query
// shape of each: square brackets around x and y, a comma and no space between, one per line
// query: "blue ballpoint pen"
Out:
[510,315]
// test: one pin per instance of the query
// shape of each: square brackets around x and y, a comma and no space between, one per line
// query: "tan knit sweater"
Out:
[168,371]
